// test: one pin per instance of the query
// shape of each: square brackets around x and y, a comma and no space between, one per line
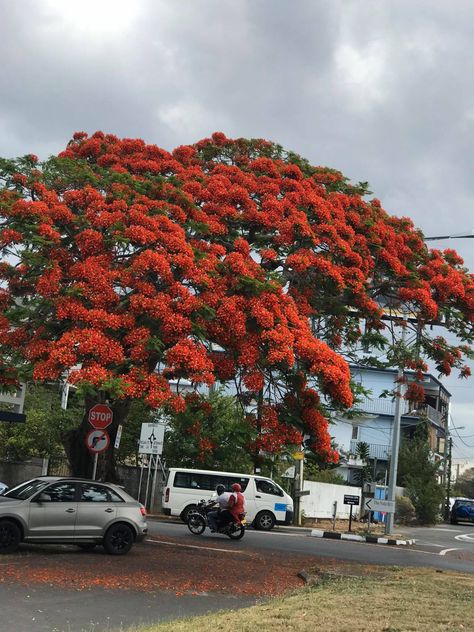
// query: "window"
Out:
[25,490]
[355,432]
[59,493]
[98,494]
[207,482]
[267,487]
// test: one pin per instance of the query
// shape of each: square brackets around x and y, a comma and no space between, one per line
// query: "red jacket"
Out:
[236,504]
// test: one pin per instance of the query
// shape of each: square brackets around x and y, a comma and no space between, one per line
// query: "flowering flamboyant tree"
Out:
[124,265]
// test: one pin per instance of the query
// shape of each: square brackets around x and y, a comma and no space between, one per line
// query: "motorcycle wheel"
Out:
[196,523]
[236,533]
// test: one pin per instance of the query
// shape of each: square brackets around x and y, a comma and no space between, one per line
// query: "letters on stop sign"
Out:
[100,416]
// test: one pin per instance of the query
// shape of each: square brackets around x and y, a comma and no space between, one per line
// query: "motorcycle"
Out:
[198,521]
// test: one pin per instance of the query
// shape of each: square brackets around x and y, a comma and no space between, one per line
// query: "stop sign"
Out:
[100,416]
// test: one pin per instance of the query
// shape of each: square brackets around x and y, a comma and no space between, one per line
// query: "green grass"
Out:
[393,600]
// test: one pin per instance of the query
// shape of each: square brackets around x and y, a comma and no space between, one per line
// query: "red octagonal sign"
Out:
[100,416]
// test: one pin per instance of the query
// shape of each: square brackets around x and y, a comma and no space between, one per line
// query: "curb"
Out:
[371,539]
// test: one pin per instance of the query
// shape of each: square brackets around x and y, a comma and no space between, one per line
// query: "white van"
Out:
[266,502]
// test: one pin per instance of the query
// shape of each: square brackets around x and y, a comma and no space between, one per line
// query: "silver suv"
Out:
[64,510]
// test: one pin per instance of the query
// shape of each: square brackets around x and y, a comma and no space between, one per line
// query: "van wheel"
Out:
[185,513]
[10,536]
[264,521]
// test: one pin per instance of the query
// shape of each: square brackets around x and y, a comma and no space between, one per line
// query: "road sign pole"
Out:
[148,482]
[94,469]
[350,518]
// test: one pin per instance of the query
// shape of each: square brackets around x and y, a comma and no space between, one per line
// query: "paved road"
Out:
[49,609]
[445,547]
[41,589]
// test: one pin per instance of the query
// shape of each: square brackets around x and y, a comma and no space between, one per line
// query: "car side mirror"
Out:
[42,498]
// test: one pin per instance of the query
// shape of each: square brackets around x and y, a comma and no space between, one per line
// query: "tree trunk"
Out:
[257,459]
[81,460]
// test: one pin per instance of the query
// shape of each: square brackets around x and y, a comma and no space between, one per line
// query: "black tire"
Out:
[453,521]
[185,513]
[196,523]
[237,533]
[87,547]
[119,539]
[264,521]
[10,536]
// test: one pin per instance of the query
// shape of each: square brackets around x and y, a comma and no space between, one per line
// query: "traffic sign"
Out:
[100,416]
[118,436]
[376,504]
[351,500]
[151,438]
[97,440]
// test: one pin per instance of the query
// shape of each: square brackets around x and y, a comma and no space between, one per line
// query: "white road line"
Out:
[193,546]
[466,537]
[444,551]
[443,529]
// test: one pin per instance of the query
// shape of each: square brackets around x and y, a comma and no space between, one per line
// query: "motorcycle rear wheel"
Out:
[237,533]
[196,523]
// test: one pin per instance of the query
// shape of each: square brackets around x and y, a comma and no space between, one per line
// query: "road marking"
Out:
[193,546]
[443,529]
[444,551]
[465,537]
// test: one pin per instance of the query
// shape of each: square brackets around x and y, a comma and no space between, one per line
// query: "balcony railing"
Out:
[380,406]
[376,450]
[433,415]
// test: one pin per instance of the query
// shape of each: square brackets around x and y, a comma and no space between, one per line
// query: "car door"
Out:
[269,496]
[96,508]
[52,512]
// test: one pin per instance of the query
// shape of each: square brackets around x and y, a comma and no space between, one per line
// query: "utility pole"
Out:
[447,507]
[392,483]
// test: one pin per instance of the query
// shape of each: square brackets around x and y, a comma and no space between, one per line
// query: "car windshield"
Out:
[26,490]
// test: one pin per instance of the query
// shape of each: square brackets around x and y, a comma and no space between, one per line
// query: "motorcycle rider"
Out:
[215,517]
[237,503]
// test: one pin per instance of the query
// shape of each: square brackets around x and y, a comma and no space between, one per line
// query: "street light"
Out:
[398,416]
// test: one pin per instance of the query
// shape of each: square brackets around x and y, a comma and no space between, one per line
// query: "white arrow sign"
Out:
[374,504]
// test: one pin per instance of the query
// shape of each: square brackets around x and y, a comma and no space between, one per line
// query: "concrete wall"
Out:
[14,472]
[319,503]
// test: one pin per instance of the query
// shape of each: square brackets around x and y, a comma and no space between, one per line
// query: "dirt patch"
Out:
[152,566]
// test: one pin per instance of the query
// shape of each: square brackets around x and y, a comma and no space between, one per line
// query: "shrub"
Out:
[404,510]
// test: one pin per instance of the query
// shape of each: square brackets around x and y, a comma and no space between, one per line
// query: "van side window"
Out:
[267,487]
[208,482]
[188,480]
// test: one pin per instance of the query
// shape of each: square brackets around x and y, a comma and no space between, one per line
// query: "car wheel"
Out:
[453,521]
[264,521]
[87,547]
[119,539]
[10,536]
[185,513]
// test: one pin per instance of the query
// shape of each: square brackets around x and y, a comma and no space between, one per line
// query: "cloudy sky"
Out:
[379,89]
